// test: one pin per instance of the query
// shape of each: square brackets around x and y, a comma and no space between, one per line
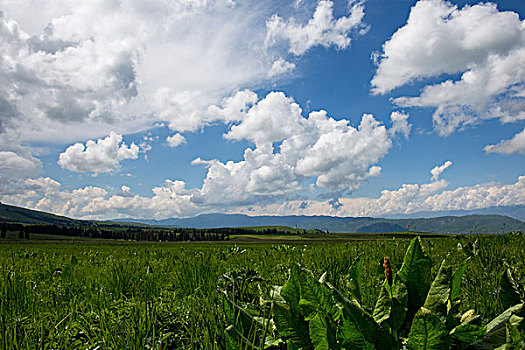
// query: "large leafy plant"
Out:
[412,312]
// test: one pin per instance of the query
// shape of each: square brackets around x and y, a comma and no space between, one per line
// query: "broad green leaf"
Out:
[416,274]
[291,325]
[468,333]
[291,290]
[356,277]
[391,305]
[351,337]
[454,303]
[316,297]
[509,290]
[267,325]
[399,304]
[289,322]
[231,339]
[496,334]
[383,306]
[428,332]
[439,292]
[322,333]
[455,293]
[365,324]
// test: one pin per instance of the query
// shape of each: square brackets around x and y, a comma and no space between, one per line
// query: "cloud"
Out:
[400,124]
[16,163]
[408,199]
[124,66]
[175,140]
[272,119]
[234,107]
[322,29]
[12,163]
[91,202]
[101,156]
[485,46]
[334,153]
[440,38]
[437,170]
[71,72]
[514,145]
[280,66]
[172,199]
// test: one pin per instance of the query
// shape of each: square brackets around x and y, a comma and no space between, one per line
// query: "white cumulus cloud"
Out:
[99,156]
[485,46]
[175,140]
[514,145]
[291,148]
[322,29]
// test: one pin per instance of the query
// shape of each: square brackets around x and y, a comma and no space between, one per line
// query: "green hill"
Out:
[14,214]
[28,216]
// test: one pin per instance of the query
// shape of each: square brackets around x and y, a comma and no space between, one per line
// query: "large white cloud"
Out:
[290,148]
[101,156]
[322,29]
[125,65]
[484,45]
[97,64]
[74,70]
[272,119]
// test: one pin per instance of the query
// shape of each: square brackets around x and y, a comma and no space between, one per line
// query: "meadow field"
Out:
[131,295]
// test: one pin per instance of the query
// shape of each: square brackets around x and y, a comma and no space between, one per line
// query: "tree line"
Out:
[176,234]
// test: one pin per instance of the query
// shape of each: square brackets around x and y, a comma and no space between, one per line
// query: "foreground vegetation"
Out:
[205,295]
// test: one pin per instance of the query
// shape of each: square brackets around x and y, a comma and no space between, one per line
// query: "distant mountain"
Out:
[516,212]
[445,224]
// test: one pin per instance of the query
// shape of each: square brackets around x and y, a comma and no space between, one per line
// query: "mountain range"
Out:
[444,224]
[515,211]
[473,223]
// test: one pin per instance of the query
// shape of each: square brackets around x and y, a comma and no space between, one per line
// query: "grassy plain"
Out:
[129,295]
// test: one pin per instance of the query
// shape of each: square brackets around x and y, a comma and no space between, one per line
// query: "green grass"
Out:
[319,236]
[118,295]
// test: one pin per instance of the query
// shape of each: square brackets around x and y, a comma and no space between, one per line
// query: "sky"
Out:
[160,109]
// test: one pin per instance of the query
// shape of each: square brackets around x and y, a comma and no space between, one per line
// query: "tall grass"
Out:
[165,296]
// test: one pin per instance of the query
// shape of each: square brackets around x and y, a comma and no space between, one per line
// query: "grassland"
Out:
[165,296]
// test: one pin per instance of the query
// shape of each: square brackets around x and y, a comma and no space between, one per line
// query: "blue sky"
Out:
[176,108]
